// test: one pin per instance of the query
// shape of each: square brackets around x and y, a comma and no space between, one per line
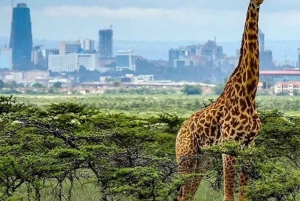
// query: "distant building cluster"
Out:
[265,55]
[29,78]
[22,55]
[194,55]
[210,54]
[27,63]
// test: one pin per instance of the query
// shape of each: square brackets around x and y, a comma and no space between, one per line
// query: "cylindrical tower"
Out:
[21,37]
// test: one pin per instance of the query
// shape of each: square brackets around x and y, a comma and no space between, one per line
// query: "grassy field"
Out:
[82,191]
[181,105]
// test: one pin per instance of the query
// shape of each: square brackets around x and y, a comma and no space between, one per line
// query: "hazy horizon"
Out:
[161,21]
[159,49]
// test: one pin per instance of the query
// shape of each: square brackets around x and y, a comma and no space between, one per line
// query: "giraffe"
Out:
[232,116]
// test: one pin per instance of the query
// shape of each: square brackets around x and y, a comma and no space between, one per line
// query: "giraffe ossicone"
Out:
[232,116]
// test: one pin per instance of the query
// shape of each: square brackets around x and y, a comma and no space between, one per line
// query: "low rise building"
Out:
[69,47]
[72,62]
[34,74]
[144,78]
[184,62]
[288,87]
[64,82]
[11,76]
[125,60]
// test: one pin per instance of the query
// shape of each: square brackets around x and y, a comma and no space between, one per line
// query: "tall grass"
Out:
[179,104]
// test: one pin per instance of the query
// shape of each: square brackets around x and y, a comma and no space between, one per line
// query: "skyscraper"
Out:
[21,37]
[105,43]
[261,37]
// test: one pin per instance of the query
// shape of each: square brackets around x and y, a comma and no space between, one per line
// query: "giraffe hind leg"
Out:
[243,181]
[229,163]
[189,188]
[187,166]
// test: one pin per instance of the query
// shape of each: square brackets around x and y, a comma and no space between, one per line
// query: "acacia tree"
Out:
[122,155]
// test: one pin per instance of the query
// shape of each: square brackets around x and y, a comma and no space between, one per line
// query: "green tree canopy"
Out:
[37,85]
[192,89]
[218,90]
[57,85]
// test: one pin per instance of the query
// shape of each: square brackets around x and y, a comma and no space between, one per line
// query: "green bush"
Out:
[192,90]
[218,90]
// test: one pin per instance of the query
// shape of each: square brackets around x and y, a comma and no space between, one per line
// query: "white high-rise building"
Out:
[88,45]
[72,62]
[89,61]
[6,58]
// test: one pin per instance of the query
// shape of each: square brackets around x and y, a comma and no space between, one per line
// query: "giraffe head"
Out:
[257,3]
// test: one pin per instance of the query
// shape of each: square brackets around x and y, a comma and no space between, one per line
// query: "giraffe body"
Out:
[233,116]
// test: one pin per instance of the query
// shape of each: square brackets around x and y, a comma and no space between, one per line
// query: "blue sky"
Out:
[154,20]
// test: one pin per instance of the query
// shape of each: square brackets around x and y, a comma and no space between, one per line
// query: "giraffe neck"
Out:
[247,71]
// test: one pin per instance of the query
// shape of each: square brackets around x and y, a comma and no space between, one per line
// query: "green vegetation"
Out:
[83,148]
[218,89]
[57,85]
[37,85]
[191,90]
[145,103]
[138,91]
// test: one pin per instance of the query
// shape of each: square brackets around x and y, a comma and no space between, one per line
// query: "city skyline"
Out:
[154,20]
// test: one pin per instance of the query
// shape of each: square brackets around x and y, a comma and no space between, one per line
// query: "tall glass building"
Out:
[21,37]
[106,43]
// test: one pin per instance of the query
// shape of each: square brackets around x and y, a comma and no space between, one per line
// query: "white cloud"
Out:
[170,23]
[281,25]
[184,15]
[96,11]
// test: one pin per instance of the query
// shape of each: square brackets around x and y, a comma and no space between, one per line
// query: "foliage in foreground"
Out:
[120,154]
[128,157]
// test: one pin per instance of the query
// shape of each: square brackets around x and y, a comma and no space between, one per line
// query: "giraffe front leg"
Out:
[229,163]
[188,190]
[243,181]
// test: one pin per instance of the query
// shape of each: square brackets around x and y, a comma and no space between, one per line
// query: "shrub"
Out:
[192,90]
